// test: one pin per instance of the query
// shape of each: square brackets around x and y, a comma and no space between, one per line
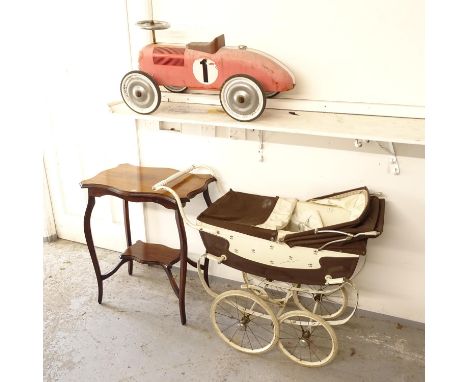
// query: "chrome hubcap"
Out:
[139,93]
[242,98]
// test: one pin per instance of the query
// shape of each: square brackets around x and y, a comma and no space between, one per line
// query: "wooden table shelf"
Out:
[147,253]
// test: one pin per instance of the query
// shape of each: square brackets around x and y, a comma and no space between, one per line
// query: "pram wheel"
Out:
[326,302]
[307,339]
[275,293]
[244,321]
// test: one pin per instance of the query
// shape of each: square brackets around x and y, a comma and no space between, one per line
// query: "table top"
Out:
[129,181]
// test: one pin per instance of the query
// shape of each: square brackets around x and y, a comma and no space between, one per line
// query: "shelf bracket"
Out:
[260,148]
[358,143]
[390,149]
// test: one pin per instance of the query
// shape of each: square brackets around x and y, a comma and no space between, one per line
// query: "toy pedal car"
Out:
[244,76]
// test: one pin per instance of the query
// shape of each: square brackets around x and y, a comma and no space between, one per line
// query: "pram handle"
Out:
[370,233]
[178,174]
[349,236]
[332,231]
[179,204]
[162,185]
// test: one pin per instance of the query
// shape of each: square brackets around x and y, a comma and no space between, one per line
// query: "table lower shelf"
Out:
[147,253]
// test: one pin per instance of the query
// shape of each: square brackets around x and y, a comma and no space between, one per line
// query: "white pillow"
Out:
[305,217]
[281,214]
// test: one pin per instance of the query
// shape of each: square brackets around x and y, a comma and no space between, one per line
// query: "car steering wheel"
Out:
[153,25]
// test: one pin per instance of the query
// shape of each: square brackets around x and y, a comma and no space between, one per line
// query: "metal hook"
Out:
[260,150]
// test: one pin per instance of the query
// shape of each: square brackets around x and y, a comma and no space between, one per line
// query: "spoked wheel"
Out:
[242,98]
[244,321]
[307,339]
[176,89]
[262,288]
[140,92]
[329,302]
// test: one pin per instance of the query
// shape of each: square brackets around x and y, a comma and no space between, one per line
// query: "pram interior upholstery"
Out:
[290,240]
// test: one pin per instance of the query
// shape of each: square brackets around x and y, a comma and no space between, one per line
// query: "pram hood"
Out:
[241,212]
[247,213]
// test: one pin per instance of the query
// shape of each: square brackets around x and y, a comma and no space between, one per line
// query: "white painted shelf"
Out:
[364,127]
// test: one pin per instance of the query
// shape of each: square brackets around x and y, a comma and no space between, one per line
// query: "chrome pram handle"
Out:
[348,236]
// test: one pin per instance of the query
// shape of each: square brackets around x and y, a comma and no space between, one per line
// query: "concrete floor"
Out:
[135,335]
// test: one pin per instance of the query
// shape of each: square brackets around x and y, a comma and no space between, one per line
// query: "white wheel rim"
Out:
[307,339]
[326,305]
[244,321]
[242,98]
[139,93]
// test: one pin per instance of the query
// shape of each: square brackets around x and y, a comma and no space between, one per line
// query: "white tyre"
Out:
[328,304]
[244,321]
[140,92]
[307,339]
[242,98]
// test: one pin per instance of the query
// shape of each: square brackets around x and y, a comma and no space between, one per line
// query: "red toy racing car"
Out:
[245,77]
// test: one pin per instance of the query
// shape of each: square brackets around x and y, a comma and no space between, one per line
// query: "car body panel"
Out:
[176,65]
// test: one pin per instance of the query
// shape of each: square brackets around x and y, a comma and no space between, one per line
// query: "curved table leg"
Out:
[128,233]
[90,243]
[183,265]
[174,286]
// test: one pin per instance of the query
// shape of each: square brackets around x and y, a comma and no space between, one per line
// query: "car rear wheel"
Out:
[242,98]
[140,92]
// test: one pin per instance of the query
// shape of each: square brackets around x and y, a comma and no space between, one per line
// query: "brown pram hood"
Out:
[242,212]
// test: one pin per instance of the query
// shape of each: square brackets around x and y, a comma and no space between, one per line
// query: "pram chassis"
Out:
[256,292]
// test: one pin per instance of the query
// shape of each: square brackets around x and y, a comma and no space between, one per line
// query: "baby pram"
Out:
[305,252]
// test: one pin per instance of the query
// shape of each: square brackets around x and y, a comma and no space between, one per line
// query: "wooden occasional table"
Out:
[133,184]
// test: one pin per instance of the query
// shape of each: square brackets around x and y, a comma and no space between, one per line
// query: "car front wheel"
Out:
[242,98]
[140,92]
